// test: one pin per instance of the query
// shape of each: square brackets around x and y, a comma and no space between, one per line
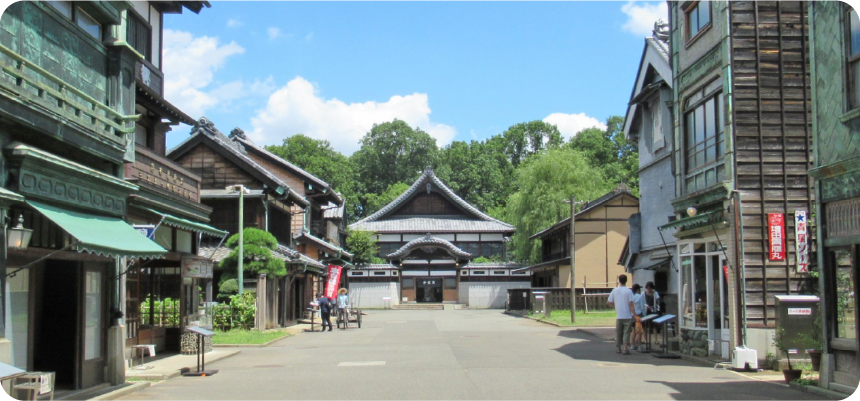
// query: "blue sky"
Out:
[458,70]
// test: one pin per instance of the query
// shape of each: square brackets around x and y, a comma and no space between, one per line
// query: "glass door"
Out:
[719,312]
[94,326]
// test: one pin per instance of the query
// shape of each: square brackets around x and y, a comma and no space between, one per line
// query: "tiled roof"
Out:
[493,265]
[284,253]
[207,128]
[376,267]
[277,159]
[661,47]
[333,211]
[220,253]
[438,224]
[479,221]
[429,240]
[551,263]
[331,247]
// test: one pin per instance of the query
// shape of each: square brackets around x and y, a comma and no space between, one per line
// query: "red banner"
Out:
[776,234]
[333,281]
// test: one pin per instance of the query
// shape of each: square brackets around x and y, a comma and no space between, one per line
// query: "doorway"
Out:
[55,320]
[704,294]
[429,289]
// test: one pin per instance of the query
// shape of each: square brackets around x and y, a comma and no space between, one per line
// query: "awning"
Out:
[178,222]
[689,221]
[107,236]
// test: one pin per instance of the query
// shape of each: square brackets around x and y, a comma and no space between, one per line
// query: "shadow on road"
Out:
[593,347]
[722,389]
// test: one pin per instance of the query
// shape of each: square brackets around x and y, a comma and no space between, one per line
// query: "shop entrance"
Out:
[429,289]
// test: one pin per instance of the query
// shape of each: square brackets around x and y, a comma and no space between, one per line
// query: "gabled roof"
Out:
[205,131]
[430,241]
[565,224]
[333,211]
[289,256]
[332,248]
[237,135]
[655,57]
[477,221]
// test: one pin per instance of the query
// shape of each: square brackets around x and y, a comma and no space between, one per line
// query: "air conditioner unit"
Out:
[743,357]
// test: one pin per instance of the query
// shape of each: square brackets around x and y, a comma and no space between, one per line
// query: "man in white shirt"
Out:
[622,299]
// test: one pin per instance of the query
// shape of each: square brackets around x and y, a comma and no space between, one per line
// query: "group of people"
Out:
[326,306]
[631,305]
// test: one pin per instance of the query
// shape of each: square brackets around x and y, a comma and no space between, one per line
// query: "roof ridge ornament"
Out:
[661,31]
[207,125]
[237,133]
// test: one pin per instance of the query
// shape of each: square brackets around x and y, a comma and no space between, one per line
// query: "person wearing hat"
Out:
[343,304]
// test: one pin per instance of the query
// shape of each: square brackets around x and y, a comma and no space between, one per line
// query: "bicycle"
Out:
[342,318]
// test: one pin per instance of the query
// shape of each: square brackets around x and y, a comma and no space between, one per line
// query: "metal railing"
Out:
[88,112]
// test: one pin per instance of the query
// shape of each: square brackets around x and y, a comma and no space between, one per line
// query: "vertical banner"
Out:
[801,236]
[333,281]
[776,234]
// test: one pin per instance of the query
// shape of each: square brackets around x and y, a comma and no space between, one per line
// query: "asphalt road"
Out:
[457,354]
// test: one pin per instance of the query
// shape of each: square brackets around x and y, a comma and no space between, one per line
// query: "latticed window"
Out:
[704,146]
[138,35]
[853,27]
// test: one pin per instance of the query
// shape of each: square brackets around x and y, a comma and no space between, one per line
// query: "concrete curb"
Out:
[123,391]
[266,344]
[177,373]
[836,395]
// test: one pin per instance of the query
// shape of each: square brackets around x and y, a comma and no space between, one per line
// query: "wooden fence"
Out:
[559,299]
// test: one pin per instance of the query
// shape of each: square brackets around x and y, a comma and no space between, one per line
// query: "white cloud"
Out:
[234,23]
[298,107]
[570,124]
[641,18]
[274,33]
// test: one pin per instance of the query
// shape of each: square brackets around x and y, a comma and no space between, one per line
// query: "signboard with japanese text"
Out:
[801,236]
[333,281]
[196,267]
[800,311]
[776,236]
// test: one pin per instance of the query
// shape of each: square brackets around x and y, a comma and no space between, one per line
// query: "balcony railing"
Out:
[554,256]
[36,86]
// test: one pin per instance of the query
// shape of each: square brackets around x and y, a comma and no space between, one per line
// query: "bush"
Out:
[239,313]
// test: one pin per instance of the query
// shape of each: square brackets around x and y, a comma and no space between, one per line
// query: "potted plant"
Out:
[781,344]
[812,344]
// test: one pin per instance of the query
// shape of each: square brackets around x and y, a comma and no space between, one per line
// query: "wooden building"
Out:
[429,235]
[601,231]
[835,55]
[742,146]
[68,111]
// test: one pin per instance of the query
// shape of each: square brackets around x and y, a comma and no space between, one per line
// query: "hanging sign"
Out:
[146,229]
[196,267]
[776,234]
[333,281]
[801,232]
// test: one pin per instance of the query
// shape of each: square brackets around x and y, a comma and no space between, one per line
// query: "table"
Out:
[143,348]
[36,384]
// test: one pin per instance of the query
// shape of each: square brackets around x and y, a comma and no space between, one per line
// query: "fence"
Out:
[559,299]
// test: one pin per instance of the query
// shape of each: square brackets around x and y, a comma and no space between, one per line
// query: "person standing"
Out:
[343,305]
[639,306]
[652,299]
[622,299]
[325,311]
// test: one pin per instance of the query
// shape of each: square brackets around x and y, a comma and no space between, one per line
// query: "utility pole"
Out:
[573,258]
[241,277]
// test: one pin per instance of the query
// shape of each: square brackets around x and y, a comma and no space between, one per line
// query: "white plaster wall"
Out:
[489,295]
[761,340]
[369,295]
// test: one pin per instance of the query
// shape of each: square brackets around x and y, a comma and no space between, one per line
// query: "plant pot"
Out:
[791,374]
[815,358]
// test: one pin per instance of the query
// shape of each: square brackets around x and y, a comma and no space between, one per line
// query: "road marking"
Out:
[366,363]
[397,321]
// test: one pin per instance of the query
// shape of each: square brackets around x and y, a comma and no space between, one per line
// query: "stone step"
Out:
[418,307]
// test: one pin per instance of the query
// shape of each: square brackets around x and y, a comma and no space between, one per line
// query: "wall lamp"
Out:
[18,237]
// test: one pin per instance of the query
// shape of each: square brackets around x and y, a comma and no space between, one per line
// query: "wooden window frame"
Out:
[691,37]
[701,99]
[135,18]
[74,11]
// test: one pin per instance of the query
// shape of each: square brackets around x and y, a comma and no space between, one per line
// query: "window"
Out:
[491,249]
[378,273]
[853,26]
[450,283]
[844,269]
[656,125]
[89,24]
[140,135]
[138,35]
[408,283]
[698,18]
[705,140]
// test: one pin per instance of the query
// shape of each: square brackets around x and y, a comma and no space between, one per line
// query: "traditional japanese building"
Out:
[649,253]
[601,230]
[742,148]
[429,236]
[835,55]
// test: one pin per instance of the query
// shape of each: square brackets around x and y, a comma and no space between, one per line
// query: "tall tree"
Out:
[610,151]
[525,139]
[478,172]
[544,182]
[320,159]
[392,152]
[378,201]
[364,247]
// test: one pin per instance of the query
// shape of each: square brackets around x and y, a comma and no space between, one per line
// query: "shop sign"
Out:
[333,281]
[196,267]
[428,283]
[801,232]
[776,234]
[800,311]
[146,229]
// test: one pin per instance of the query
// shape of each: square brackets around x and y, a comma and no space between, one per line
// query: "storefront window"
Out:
[93,315]
[846,325]
[17,315]
[701,293]
[686,291]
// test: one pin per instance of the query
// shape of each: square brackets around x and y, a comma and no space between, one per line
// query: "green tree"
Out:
[544,182]
[320,159]
[376,202]
[364,246]
[257,255]
[525,139]
[610,151]
[478,172]
[391,152]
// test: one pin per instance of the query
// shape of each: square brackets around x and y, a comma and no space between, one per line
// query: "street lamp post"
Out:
[241,274]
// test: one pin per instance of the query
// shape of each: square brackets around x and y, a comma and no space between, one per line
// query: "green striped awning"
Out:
[178,222]
[102,235]
[689,221]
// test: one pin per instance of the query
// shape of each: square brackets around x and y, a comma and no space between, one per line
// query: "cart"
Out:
[354,316]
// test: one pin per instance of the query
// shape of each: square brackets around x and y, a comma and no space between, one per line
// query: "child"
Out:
[639,305]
